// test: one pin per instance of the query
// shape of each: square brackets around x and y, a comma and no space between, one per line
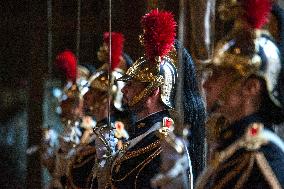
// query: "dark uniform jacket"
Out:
[135,167]
[249,155]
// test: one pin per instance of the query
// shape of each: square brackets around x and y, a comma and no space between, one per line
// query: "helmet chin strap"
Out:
[146,92]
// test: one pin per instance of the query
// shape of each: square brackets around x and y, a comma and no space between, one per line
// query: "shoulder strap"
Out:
[134,141]
[137,139]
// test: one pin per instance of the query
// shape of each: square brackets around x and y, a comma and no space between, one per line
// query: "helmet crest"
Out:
[256,12]
[117,40]
[159,33]
[66,62]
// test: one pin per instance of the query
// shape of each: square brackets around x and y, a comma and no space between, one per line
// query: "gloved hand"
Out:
[105,142]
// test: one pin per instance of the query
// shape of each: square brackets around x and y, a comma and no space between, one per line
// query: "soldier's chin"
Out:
[87,112]
[125,105]
[133,108]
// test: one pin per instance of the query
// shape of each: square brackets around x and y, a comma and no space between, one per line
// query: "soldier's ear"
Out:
[156,92]
[154,96]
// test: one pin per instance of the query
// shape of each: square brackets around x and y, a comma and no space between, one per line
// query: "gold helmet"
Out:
[158,66]
[249,50]
[101,82]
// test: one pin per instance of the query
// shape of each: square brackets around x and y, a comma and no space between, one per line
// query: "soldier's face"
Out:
[130,90]
[94,101]
[220,86]
[72,108]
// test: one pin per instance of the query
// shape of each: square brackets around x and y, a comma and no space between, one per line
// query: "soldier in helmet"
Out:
[102,113]
[95,100]
[103,87]
[243,97]
[56,157]
[154,156]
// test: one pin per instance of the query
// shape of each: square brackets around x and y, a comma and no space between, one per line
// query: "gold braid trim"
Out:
[204,177]
[150,158]
[233,172]
[267,171]
[146,163]
[93,174]
[132,154]
[246,173]
[244,163]
[222,156]
[230,163]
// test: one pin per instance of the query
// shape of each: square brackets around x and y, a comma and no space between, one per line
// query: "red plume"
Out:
[159,33]
[66,62]
[117,40]
[256,12]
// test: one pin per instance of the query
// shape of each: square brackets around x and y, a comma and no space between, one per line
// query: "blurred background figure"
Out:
[244,98]
[58,157]
[104,114]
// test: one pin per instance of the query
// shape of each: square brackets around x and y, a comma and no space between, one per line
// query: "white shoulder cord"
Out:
[137,139]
